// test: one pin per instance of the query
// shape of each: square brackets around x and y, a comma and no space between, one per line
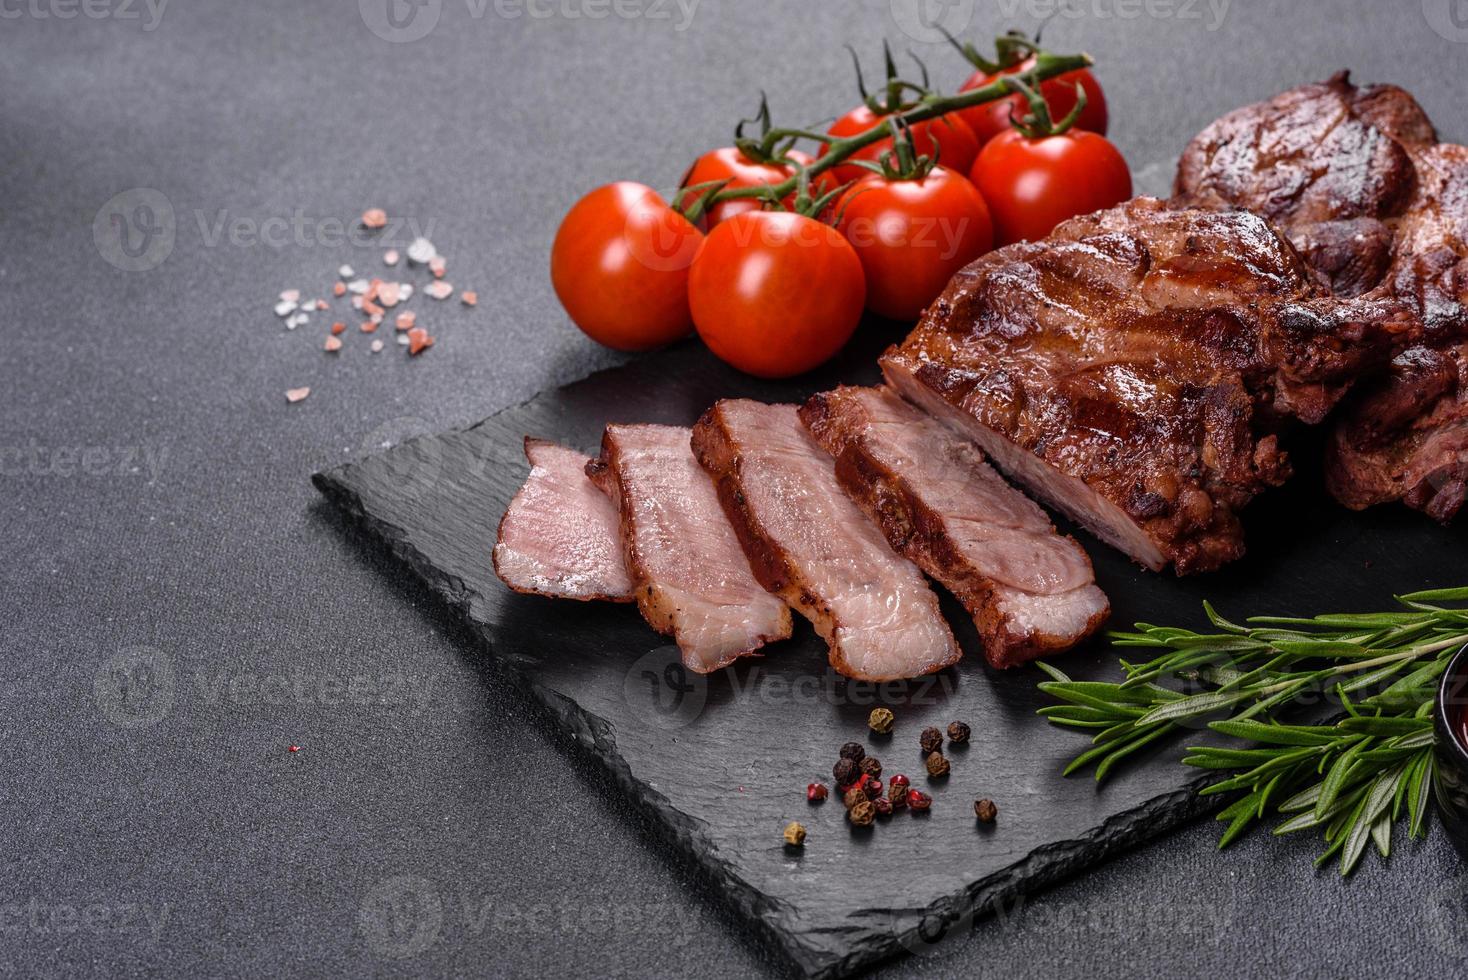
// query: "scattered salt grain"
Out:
[403,339]
[437,266]
[290,295]
[388,295]
[358,286]
[374,218]
[346,272]
[340,289]
[406,320]
[321,304]
[468,297]
[294,395]
[421,251]
[439,289]
[338,327]
[418,341]
[391,257]
[333,344]
[405,291]
[376,346]
[285,307]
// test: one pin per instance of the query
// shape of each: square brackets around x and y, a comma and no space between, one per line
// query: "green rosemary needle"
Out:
[1351,778]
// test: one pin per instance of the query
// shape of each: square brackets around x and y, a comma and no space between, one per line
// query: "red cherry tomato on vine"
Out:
[620,267]
[947,137]
[1033,184]
[913,235]
[992,118]
[775,293]
[729,163]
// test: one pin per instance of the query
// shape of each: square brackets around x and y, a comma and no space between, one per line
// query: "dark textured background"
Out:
[174,834]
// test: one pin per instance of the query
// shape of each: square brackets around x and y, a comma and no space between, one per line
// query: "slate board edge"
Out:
[1038,870]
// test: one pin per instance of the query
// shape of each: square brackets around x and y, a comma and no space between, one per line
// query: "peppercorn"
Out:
[795,835]
[872,766]
[918,801]
[844,772]
[897,795]
[958,732]
[900,780]
[880,721]
[816,792]
[937,765]
[853,751]
[862,814]
[883,806]
[985,810]
[931,740]
[854,795]
[874,788]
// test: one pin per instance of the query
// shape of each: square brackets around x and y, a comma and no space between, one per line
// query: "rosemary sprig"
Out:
[1352,778]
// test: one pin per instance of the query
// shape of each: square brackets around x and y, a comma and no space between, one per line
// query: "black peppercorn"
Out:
[872,766]
[985,810]
[931,740]
[958,732]
[862,814]
[853,751]
[845,772]
[937,765]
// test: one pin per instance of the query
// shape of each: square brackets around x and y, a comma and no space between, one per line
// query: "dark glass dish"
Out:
[1450,783]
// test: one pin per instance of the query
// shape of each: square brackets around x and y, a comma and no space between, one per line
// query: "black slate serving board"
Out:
[722,762]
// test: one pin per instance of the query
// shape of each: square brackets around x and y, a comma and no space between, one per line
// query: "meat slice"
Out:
[689,575]
[1031,592]
[811,545]
[1132,368]
[559,536]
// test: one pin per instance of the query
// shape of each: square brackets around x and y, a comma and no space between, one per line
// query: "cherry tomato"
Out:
[620,267]
[992,118]
[1032,185]
[913,235]
[948,137]
[729,163]
[775,293]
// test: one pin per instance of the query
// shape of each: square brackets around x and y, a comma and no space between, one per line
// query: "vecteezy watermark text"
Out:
[44,917]
[401,21]
[406,914]
[34,459]
[150,12]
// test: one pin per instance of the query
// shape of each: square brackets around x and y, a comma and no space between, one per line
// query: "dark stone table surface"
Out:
[179,607]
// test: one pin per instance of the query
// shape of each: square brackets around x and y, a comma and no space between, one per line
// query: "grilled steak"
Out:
[1030,591]
[1130,369]
[689,575]
[1357,179]
[810,544]
[1406,437]
[559,536]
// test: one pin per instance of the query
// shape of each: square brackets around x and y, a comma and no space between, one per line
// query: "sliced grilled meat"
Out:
[810,544]
[1031,592]
[1130,370]
[559,536]
[689,575]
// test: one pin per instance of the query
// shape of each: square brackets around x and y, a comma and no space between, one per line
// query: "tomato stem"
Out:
[1047,65]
